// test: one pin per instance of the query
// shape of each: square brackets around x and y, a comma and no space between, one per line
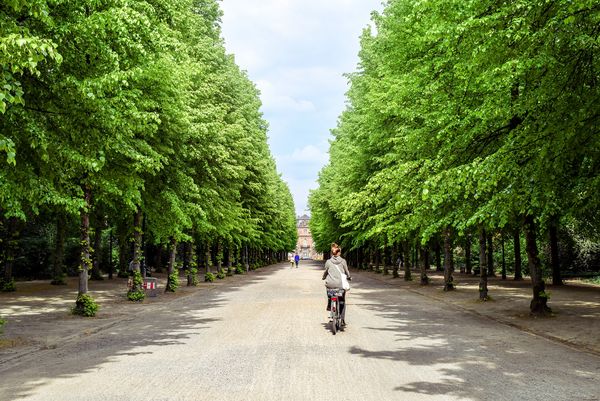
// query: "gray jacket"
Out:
[332,276]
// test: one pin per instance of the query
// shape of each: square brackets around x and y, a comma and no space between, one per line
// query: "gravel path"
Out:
[266,338]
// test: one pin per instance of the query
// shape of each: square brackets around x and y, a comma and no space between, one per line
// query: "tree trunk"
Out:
[407,266]
[137,248]
[193,264]
[517,245]
[415,252]
[554,259]
[424,265]
[59,250]
[85,258]
[123,252]
[143,249]
[207,258]
[170,287]
[96,274]
[503,258]
[377,260]
[385,261]
[110,254]
[483,281]
[490,256]
[219,256]
[468,265]
[186,255]
[438,257]
[395,263]
[448,261]
[10,250]
[538,305]
[230,253]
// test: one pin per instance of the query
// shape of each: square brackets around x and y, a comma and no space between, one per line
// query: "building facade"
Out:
[305,246]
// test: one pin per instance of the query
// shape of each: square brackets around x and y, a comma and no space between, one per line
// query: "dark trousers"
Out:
[342,299]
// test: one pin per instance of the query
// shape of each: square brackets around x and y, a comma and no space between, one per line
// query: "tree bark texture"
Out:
[538,305]
[554,257]
[219,256]
[490,256]
[10,251]
[96,274]
[207,259]
[448,261]
[137,246]
[85,262]
[110,254]
[518,262]
[407,266]
[424,265]
[171,264]
[59,250]
[483,280]
[123,252]
[503,258]
[395,261]
[230,253]
[438,257]
[385,261]
[468,264]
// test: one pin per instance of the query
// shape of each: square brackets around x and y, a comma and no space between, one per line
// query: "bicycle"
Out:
[334,315]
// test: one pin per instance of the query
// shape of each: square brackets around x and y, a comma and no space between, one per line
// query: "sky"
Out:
[296,52]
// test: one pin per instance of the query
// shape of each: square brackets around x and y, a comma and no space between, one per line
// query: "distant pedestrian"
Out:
[297,260]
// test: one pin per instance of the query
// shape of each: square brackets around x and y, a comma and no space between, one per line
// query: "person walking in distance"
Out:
[297,259]
[334,268]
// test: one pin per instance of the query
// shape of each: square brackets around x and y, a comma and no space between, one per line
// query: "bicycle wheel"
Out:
[334,325]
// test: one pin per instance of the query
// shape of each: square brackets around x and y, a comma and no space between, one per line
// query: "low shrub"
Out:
[172,282]
[8,286]
[85,306]
[209,277]
[192,275]
[136,294]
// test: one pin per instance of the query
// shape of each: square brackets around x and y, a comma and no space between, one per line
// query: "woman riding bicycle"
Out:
[334,268]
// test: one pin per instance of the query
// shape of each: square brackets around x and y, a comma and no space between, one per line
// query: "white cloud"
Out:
[310,153]
[303,163]
[297,52]
[275,100]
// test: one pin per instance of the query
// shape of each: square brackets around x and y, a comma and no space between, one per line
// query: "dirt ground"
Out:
[265,336]
[575,319]
[38,313]
[39,317]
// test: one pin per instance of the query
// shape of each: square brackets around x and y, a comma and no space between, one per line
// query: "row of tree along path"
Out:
[470,127]
[128,134]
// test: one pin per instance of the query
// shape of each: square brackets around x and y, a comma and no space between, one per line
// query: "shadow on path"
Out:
[163,324]
[476,358]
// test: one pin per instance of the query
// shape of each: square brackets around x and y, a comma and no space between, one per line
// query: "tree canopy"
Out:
[119,108]
[465,116]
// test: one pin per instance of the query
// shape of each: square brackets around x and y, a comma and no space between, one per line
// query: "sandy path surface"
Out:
[267,338]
